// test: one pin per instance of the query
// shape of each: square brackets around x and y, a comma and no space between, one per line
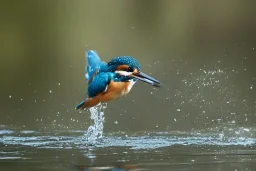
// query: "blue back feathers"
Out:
[99,83]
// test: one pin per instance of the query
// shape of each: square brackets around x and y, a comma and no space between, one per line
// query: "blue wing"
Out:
[99,83]
[94,64]
[96,74]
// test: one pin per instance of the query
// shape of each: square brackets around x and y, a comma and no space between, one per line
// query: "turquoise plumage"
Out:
[112,80]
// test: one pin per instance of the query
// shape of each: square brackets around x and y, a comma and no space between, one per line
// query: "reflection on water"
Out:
[122,167]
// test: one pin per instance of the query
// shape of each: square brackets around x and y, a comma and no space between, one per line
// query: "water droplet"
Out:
[246,129]
[178,110]
[50,91]
[10,96]
[175,119]
[116,122]
[59,84]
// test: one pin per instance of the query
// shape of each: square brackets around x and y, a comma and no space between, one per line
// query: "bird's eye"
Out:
[130,69]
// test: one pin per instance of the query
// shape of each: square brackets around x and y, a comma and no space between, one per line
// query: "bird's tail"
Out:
[80,106]
[89,102]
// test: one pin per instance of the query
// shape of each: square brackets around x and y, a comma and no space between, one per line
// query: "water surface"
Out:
[195,150]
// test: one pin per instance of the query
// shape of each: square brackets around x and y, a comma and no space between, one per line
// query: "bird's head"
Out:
[127,66]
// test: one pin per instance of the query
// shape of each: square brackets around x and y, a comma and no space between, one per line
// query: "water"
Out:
[224,147]
[228,149]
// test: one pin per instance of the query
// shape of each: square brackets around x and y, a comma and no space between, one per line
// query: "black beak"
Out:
[147,79]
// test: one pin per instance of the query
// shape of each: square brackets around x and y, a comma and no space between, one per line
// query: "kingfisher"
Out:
[112,80]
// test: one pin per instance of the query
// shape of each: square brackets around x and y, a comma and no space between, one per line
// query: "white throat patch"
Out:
[124,73]
[132,82]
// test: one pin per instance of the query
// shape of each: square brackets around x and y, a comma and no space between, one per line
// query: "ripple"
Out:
[27,132]
[133,142]
[9,158]
[3,132]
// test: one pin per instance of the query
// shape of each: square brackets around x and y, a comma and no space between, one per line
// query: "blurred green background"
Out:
[202,51]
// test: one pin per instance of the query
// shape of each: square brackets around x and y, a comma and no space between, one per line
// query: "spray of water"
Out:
[95,131]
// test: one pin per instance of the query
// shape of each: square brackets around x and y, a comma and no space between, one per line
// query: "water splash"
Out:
[95,131]
[227,137]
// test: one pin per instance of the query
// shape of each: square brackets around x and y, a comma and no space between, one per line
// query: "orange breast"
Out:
[116,90]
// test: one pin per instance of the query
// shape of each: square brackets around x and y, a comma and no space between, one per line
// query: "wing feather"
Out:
[99,84]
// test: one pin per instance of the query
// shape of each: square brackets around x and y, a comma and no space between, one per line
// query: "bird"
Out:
[108,81]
